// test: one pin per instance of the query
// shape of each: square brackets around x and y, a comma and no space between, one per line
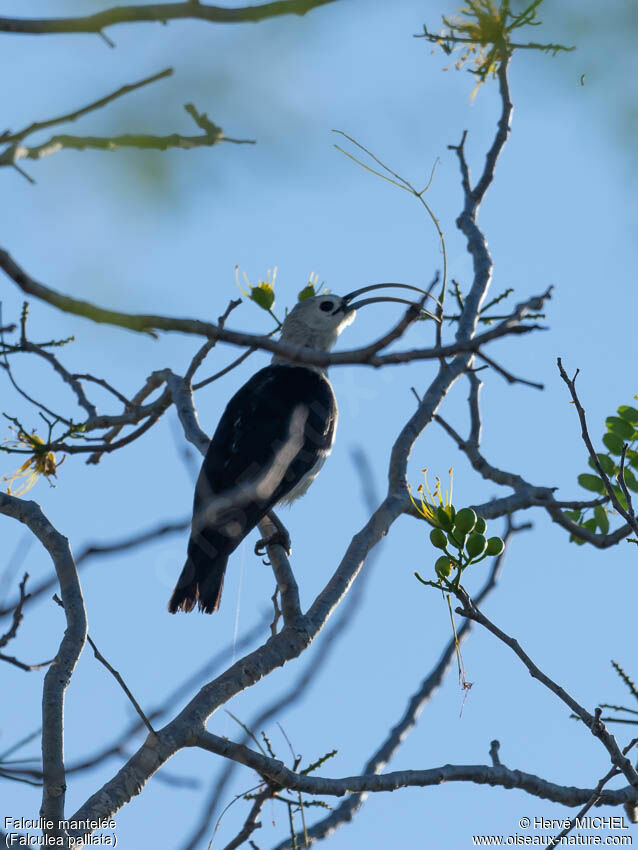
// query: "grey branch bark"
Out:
[276,772]
[525,494]
[188,728]
[147,323]
[593,722]
[331,638]
[59,673]
[346,810]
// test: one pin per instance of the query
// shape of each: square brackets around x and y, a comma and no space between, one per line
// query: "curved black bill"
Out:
[347,306]
[373,286]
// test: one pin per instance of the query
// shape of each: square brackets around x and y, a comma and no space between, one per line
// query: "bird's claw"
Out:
[281,538]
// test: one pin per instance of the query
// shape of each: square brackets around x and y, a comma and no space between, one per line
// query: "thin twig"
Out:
[494,748]
[116,675]
[36,126]
[251,823]
[626,514]
[509,377]
[593,722]
[17,613]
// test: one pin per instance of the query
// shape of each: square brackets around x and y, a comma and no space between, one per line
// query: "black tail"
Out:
[209,547]
[200,583]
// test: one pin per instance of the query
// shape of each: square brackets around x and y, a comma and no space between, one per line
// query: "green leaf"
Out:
[620,426]
[630,480]
[609,467]
[632,458]
[619,495]
[628,413]
[590,524]
[573,515]
[613,442]
[602,520]
[576,540]
[591,482]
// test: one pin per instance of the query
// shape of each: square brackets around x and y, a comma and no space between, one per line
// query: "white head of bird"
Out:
[316,322]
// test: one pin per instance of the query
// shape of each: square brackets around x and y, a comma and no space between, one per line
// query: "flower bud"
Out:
[307,292]
[495,546]
[443,566]
[476,545]
[443,518]
[263,294]
[456,539]
[465,520]
[438,538]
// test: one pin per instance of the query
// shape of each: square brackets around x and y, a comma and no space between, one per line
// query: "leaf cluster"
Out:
[621,430]
[482,30]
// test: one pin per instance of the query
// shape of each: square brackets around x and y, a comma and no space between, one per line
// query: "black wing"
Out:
[275,429]
[256,425]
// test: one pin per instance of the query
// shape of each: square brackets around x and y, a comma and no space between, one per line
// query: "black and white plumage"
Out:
[270,444]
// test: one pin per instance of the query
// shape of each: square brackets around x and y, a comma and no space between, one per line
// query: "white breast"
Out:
[300,488]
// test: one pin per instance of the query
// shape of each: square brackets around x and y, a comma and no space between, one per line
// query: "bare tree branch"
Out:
[509,377]
[286,582]
[276,772]
[525,494]
[593,722]
[12,138]
[346,811]
[13,630]
[116,748]
[144,141]
[159,12]
[71,645]
[327,644]
[187,729]
[116,675]
[593,800]
[251,823]
[17,613]
[147,323]
[182,394]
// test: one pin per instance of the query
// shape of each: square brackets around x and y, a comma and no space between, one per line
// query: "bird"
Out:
[270,444]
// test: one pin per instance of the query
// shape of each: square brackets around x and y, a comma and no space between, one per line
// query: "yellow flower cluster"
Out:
[39,463]
[431,503]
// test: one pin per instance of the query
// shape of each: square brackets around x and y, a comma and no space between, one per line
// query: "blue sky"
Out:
[162,232]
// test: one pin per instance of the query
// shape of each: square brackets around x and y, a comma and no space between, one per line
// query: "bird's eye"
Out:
[326,306]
